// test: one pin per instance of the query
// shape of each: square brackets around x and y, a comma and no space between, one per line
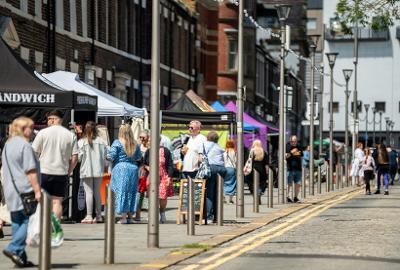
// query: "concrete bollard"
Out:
[220,202]
[256,187]
[109,228]
[45,232]
[191,208]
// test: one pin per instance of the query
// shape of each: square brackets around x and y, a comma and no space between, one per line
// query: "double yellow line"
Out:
[258,239]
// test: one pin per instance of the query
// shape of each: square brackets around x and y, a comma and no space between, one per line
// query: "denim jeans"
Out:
[19,227]
[211,189]
[230,182]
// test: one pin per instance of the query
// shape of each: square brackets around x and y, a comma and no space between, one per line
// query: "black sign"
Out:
[199,189]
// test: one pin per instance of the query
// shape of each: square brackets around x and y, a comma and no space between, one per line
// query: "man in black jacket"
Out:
[294,154]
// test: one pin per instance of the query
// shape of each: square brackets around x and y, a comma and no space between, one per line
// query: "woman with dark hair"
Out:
[92,155]
[230,166]
[383,168]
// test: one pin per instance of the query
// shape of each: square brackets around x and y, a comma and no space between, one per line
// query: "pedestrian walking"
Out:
[125,156]
[92,153]
[393,159]
[294,162]
[57,149]
[166,170]
[215,155]
[368,165]
[144,138]
[230,157]
[192,150]
[382,163]
[357,164]
[260,164]
[21,177]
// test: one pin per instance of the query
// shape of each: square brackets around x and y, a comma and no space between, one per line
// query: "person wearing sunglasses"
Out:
[144,139]
[193,149]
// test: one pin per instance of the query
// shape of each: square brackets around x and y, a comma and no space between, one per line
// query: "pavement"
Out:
[83,246]
[354,232]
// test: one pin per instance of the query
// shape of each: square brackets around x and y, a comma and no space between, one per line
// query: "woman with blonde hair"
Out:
[21,173]
[357,164]
[260,164]
[125,156]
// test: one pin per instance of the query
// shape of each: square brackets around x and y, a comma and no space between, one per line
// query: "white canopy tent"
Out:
[107,104]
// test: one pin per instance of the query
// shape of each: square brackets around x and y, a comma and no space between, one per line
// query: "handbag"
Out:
[204,171]
[142,186]
[28,199]
[248,167]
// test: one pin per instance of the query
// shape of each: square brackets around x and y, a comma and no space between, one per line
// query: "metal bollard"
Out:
[270,188]
[45,232]
[303,183]
[109,232]
[191,209]
[319,188]
[256,188]
[327,179]
[337,176]
[70,191]
[220,202]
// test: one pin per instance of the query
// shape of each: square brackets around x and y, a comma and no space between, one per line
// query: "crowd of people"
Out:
[48,160]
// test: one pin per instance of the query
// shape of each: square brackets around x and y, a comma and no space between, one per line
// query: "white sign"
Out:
[308,111]
[27,98]
[307,122]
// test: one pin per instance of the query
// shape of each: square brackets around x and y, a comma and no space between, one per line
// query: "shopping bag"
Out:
[248,167]
[33,235]
[57,233]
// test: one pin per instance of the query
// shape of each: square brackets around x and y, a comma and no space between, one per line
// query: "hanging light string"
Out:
[317,69]
[268,31]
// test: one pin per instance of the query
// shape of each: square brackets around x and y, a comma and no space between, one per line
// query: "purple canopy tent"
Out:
[249,138]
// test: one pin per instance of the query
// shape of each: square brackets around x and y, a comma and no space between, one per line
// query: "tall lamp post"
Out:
[380,127]
[347,75]
[240,104]
[283,14]
[373,133]
[331,59]
[313,45]
[355,101]
[366,106]
[321,109]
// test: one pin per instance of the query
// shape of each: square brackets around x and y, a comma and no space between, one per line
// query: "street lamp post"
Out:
[331,59]
[355,102]
[283,14]
[313,45]
[380,127]
[153,224]
[366,106]
[347,75]
[373,133]
[240,104]
[321,109]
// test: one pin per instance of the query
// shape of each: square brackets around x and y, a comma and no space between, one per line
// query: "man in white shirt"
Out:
[193,149]
[57,149]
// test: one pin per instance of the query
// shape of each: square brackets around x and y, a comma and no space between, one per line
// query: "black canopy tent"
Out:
[23,93]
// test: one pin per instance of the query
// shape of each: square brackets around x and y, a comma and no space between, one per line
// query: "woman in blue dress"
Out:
[124,154]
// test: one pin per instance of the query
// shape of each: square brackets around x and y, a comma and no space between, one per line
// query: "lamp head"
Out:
[283,11]
[332,58]
[366,106]
[387,119]
[313,40]
[347,74]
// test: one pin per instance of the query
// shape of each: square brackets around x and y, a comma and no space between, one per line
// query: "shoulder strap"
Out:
[9,170]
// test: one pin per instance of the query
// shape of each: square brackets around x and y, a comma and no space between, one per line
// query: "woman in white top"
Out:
[357,164]
[368,165]
[92,155]
[230,165]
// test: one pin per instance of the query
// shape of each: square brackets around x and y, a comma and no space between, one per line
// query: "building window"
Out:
[359,107]
[232,54]
[335,107]
[312,24]
[24,6]
[38,8]
[84,18]
[60,14]
[72,13]
[380,106]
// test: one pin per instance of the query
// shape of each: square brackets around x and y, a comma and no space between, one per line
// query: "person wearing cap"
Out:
[57,150]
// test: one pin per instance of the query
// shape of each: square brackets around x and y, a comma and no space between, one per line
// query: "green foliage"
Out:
[377,14]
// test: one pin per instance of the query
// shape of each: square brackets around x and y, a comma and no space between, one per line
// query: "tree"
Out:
[377,14]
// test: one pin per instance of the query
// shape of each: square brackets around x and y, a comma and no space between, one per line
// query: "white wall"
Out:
[378,76]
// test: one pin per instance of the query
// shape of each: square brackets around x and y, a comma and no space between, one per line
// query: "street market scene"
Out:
[199,134]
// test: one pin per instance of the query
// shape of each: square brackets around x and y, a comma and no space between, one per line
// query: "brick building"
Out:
[108,43]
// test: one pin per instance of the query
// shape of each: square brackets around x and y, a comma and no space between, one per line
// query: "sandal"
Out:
[87,220]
